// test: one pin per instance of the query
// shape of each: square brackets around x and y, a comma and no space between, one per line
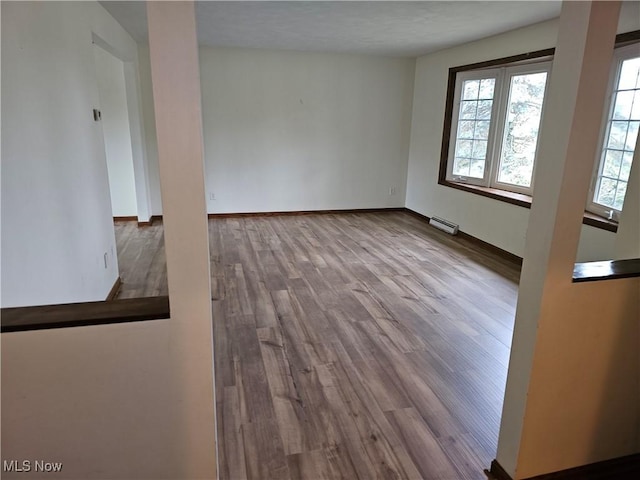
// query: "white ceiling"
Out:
[395,28]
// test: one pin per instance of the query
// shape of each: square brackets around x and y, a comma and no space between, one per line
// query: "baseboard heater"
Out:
[444,225]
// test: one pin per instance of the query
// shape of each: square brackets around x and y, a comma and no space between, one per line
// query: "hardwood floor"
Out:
[141,260]
[354,346]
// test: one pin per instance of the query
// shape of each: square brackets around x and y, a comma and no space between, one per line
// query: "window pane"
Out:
[620,192]
[521,128]
[463,148]
[612,161]
[617,135]
[466,128]
[479,151]
[607,192]
[635,110]
[477,168]
[625,169]
[486,88]
[482,130]
[470,89]
[468,110]
[632,136]
[461,166]
[484,109]
[629,75]
[622,106]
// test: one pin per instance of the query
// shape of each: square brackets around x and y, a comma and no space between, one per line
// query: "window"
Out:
[494,129]
[620,132]
[492,118]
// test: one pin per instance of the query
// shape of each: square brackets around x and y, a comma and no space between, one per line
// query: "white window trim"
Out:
[619,55]
[509,73]
[460,79]
[503,77]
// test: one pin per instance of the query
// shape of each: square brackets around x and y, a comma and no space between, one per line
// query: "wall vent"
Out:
[444,225]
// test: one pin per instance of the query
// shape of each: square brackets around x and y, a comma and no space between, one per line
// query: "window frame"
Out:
[620,54]
[444,177]
[521,200]
[498,120]
[510,72]
[473,75]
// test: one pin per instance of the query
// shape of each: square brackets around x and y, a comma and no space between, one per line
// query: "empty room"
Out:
[318,240]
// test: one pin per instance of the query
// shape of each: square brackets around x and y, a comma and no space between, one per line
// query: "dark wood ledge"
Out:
[621,468]
[523,200]
[606,270]
[599,222]
[41,317]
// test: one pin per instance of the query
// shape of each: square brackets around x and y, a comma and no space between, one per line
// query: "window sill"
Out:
[523,200]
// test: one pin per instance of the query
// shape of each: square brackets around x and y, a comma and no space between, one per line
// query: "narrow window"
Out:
[520,136]
[474,122]
[620,134]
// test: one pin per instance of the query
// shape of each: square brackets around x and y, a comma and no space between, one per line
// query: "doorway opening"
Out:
[114,117]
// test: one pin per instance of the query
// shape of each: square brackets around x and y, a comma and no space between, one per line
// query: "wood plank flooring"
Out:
[354,346]
[141,260]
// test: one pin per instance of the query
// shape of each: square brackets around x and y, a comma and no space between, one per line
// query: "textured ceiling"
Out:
[381,28]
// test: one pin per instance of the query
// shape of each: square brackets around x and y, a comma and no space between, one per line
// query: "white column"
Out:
[141,174]
[567,151]
[176,93]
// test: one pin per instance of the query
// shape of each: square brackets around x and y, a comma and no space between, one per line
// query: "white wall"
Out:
[149,120]
[122,401]
[109,401]
[56,212]
[117,135]
[496,222]
[100,399]
[575,418]
[302,131]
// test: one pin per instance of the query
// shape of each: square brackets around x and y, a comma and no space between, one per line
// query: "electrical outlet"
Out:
[392,190]
[212,196]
